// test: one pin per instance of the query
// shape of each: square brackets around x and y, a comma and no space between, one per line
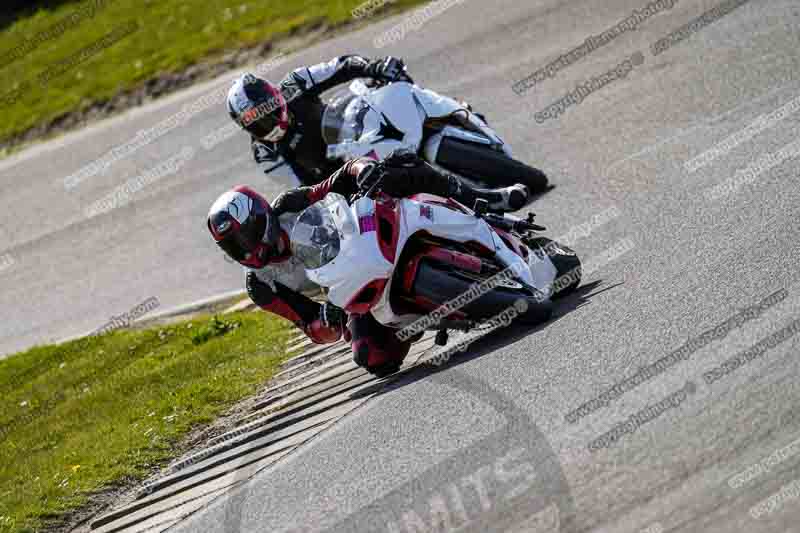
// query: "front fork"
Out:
[536,273]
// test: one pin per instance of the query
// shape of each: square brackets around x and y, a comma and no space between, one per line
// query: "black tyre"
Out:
[440,285]
[479,162]
[566,262]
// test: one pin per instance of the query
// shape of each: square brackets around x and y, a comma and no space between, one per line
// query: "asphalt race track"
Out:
[485,443]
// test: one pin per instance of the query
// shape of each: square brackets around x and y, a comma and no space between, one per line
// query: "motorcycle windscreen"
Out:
[315,238]
[343,119]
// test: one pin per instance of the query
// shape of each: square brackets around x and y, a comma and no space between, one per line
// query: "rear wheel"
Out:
[440,284]
[479,162]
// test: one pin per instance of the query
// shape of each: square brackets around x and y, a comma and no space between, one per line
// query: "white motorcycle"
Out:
[401,259]
[373,121]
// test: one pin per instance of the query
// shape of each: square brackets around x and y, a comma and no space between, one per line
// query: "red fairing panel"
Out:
[387,215]
[366,297]
[460,260]
[410,272]
[433,199]
[443,255]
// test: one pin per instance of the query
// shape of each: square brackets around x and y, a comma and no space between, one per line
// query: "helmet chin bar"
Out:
[276,134]
[283,243]
[257,259]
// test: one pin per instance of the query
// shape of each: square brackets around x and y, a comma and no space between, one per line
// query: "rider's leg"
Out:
[374,345]
[291,305]
[413,176]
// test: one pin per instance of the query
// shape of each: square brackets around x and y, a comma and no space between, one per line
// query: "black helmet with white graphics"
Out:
[259,108]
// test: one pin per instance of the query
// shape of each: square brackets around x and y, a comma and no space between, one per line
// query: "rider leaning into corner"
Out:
[256,235]
[284,121]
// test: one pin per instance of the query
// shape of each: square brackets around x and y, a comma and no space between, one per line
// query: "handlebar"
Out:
[507,224]
[382,83]
[497,221]
[503,223]
[363,191]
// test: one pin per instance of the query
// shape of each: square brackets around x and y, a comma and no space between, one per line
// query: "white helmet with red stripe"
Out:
[259,108]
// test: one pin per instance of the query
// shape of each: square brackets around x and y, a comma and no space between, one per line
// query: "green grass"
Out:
[80,416]
[172,35]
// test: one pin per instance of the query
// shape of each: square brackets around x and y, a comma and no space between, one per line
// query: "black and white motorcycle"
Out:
[362,120]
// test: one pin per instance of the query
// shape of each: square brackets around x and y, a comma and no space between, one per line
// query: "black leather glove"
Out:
[402,158]
[369,176]
[332,316]
[387,69]
[397,164]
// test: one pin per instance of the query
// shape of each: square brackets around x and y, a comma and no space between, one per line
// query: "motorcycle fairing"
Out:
[360,260]
[457,226]
[362,268]
[403,107]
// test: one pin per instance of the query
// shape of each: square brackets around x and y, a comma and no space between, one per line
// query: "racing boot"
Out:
[501,200]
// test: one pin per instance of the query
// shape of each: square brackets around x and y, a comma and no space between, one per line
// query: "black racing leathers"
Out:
[302,147]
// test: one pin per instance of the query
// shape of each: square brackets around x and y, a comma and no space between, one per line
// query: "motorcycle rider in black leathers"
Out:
[256,235]
[284,122]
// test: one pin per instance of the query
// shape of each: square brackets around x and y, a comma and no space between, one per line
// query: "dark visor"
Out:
[262,127]
[235,246]
[261,120]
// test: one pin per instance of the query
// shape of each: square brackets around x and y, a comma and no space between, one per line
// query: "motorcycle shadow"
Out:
[485,345]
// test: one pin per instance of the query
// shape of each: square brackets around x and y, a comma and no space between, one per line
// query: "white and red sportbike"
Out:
[400,259]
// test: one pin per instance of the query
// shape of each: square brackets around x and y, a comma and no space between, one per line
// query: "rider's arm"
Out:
[266,155]
[343,181]
[403,178]
[316,79]
[304,312]
[270,160]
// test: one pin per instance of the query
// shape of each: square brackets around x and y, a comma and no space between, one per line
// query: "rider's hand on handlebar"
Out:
[397,164]
[388,69]
[402,158]
[369,176]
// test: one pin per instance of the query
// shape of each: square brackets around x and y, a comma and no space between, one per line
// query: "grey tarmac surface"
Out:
[446,441]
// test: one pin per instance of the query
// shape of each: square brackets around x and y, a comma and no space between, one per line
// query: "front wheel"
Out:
[568,266]
[479,162]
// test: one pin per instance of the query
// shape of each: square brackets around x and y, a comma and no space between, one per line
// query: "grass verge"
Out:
[68,58]
[98,411]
